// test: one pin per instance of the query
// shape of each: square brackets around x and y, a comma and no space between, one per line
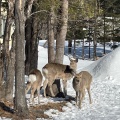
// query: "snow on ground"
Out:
[105,90]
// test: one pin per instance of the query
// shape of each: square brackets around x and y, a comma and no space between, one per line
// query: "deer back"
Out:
[37,73]
[53,69]
[85,79]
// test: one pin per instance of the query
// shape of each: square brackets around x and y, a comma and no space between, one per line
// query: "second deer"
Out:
[82,81]
[34,83]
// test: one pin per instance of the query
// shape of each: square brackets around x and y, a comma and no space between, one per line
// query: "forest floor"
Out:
[38,111]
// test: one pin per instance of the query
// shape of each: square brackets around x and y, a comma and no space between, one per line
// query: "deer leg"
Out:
[81,97]
[28,86]
[77,93]
[50,86]
[65,87]
[45,83]
[32,95]
[38,93]
[90,101]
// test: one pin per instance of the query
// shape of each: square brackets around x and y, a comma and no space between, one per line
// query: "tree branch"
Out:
[28,8]
[36,13]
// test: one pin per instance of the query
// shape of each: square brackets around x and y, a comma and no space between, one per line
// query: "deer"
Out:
[52,71]
[34,83]
[81,82]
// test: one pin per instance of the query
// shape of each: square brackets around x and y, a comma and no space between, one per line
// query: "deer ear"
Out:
[71,58]
[80,74]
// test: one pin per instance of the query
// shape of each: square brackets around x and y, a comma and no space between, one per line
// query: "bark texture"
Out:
[20,101]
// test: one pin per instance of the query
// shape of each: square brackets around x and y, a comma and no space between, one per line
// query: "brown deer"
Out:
[52,71]
[82,81]
[34,82]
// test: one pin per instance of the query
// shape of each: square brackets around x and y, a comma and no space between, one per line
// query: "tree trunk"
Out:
[34,43]
[104,39]
[6,38]
[9,57]
[31,47]
[61,31]
[2,93]
[69,46]
[20,101]
[0,17]
[95,29]
[2,86]
[83,49]
[60,41]
[28,34]
[11,72]
[51,52]
[74,50]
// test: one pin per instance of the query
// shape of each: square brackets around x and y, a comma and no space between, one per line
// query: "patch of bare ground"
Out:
[34,111]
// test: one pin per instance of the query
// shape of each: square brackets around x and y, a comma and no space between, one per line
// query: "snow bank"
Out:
[107,68]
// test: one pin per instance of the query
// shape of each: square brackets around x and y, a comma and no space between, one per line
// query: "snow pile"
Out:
[107,68]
